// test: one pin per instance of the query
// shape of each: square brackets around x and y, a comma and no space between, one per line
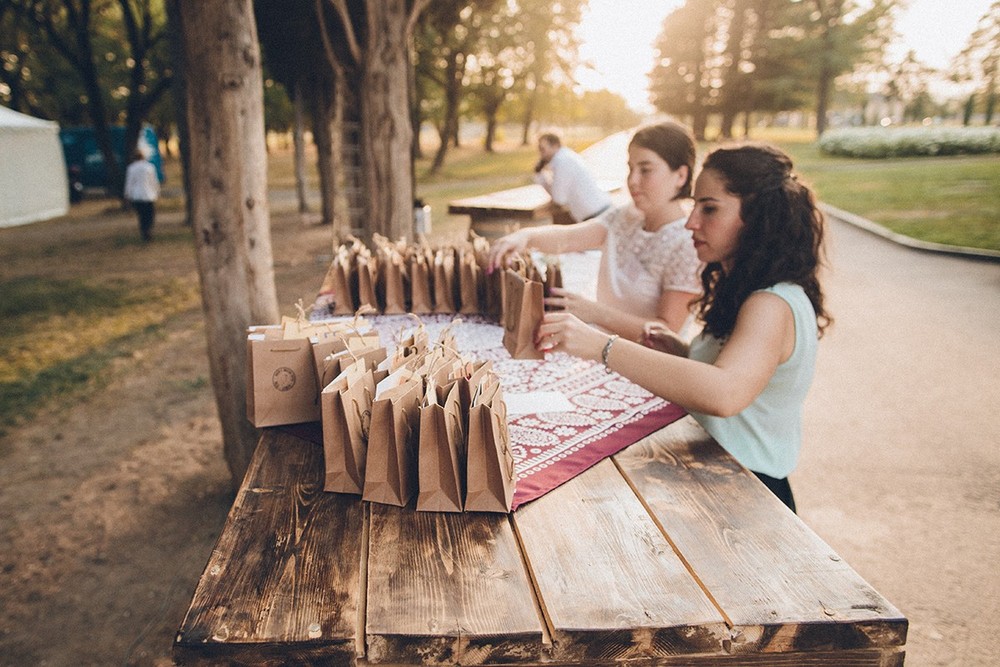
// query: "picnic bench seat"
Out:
[668,553]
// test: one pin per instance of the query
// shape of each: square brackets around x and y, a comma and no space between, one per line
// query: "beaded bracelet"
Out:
[607,350]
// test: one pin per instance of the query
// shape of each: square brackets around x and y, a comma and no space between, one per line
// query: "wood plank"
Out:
[448,588]
[779,584]
[284,577]
[610,584]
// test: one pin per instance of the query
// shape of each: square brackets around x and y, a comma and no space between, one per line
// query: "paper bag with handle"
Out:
[421,290]
[444,281]
[367,275]
[490,475]
[392,274]
[391,469]
[346,409]
[441,451]
[523,309]
[281,379]
[470,282]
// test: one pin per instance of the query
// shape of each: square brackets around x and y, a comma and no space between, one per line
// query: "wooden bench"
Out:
[670,553]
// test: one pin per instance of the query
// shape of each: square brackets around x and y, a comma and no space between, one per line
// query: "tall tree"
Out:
[118,78]
[841,34]
[979,63]
[686,77]
[229,201]
[377,37]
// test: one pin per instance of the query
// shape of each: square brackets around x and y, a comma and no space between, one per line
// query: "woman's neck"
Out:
[654,220]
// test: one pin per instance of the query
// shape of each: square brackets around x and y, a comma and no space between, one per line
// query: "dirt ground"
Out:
[110,503]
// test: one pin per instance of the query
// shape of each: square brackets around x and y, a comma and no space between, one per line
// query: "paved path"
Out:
[900,470]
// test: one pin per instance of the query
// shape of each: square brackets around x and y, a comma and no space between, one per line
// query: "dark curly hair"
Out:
[781,239]
[674,143]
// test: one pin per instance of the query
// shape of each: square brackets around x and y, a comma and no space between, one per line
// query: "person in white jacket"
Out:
[564,175]
[142,189]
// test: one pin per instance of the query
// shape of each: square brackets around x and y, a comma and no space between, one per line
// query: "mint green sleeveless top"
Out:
[767,435]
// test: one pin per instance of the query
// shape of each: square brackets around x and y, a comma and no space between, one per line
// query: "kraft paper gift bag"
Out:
[367,275]
[523,309]
[470,282]
[346,409]
[409,347]
[391,468]
[372,356]
[421,290]
[445,280]
[327,351]
[441,455]
[553,278]
[336,289]
[490,475]
[392,274]
[281,379]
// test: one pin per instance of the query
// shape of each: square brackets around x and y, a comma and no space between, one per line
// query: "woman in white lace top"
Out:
[649,268]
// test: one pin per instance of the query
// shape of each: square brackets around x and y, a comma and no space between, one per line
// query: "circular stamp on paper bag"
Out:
[283,379]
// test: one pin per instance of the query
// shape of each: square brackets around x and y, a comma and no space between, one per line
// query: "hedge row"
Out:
[881,142]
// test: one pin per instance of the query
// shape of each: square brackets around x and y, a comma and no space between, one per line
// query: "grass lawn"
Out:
[952,200]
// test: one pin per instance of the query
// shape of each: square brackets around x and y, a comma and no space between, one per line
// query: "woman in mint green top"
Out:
[759,234]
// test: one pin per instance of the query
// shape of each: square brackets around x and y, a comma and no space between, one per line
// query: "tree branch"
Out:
[345,17]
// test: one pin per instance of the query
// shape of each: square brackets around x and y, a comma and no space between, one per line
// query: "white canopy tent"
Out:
[33,183]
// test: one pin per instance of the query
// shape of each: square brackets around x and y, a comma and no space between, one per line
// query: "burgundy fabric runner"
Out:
[609,412]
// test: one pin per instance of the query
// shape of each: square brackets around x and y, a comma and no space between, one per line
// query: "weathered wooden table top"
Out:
[670,553]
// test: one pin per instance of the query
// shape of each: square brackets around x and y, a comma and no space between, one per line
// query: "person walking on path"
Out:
[649,268]
[564,175]
[744,378]
[142,189]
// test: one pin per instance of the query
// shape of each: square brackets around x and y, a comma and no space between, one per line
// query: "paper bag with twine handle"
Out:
[470,283]
[366,267]
[392,282]
[329,339]
[335,292]
[523,309]
[421,282]
[441,459]
[410,346]
[281,379]
[346,414]
[391,468]
[445,281]
[490,475]
[553,279]
[492,283]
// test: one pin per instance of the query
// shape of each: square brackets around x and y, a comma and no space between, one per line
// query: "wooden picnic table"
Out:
[669,553]
[497,213]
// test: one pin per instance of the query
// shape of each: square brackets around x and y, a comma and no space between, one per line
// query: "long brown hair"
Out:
[781,239]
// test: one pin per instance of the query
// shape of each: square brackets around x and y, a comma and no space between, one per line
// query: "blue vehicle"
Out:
[85,163]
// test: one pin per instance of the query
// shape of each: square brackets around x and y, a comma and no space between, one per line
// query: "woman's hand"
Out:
[504,247]
[658,336]
[574,304]
[564,332]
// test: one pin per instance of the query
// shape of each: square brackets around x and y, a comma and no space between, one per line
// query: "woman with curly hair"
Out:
[745,376]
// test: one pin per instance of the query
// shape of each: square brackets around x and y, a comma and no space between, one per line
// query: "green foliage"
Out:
[881,142]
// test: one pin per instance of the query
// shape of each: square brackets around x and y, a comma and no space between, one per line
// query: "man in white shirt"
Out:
[142,189]
[563,173]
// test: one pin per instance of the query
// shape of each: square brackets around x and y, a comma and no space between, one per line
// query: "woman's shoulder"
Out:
[791,293]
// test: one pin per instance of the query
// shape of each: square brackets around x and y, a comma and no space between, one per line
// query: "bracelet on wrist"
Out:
[607,351]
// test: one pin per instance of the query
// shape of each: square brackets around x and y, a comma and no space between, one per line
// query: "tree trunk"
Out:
[325,127]
[385,121]
[298,141]
[229,202]
[452,98]
[175,34]
[823,86]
